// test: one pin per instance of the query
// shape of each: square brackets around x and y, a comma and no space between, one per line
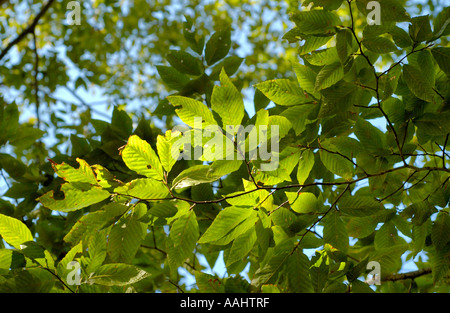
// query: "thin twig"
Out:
[350,182]
[27,30]
[36,73]
[409,275]
[320,218]
[178,287]
[443,150]
[399,188]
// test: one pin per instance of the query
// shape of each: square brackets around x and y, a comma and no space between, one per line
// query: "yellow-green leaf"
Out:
[13,231]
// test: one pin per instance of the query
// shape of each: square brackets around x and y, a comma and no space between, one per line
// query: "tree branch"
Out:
[27,30]
[409,275]
[36,84]
[320,218]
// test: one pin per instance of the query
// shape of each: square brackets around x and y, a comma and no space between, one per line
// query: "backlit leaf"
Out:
[140,157]
[14,232]
[118,274]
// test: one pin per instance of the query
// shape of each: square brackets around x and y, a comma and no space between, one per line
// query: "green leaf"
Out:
[316,22]
[9,122]
[440,231]
[125,239]
[241,228]
[195,42]
[241,246]
[386,236]
[329,75]
[14,232]
[80,146]
[163,209]
[390,10]
[420,28]
[195,175]
[192,112]
[97,251]
[298,116]
[227,101]
[360,227]
[419,211]
[388,83]
[306,77]
[380,45]
[335,231]
[218,46]
[323,57]
[305,165]
[184,62]
[441,24]
[221,168]
[297,271]
[140,157]
[268,273]
[5,260]
[361,287]
[172,78]
[439,265]
[434,124]
[83,174]
[280,170]
[283,92]
[118,274]
[14,167]
[400,36]
[183,234]
[425,63]
[345,44]
[337,164]
[74,198]
[375,30]
[442,57]
[226,221]
[230,65]
[121,123]
[319,276]
[34,251]
[167,150]
[312,43]
[419,235]
[370,136]
[208,283]
[26,136]
[94,221]
[359,205]
[63,267]
[143,188]
[282,123]
[326,4]
[303,202]
[22,190]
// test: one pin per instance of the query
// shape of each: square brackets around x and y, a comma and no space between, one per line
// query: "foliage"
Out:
[120,211]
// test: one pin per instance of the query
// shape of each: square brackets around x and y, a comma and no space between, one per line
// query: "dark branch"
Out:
[28,30]
[409,275]
[333,206]
[36,83]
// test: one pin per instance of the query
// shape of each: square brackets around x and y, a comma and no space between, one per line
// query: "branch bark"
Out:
[28,30]
[409,275]
[36,83]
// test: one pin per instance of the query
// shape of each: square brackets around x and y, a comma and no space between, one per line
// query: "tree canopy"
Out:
[120,173]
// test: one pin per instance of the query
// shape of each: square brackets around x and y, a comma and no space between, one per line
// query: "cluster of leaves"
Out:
[131,214]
